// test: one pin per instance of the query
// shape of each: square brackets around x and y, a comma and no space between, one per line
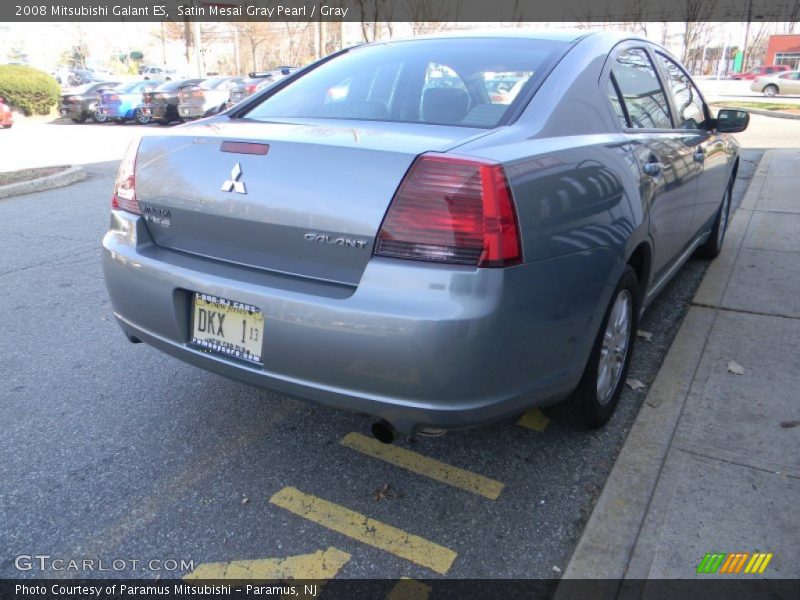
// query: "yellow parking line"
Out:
[422,465]
[322,564]
[409,589]
[363,529]
[534,419]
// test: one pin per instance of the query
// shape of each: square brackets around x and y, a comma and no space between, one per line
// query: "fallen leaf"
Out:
[789,424]
[735,368]
[381,493]
[635,384]
[645,335]
[245,500]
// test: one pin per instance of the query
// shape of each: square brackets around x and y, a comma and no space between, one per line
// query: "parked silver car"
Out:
[418,252]
[787,82]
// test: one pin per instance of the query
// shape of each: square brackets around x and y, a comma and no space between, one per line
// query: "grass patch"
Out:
[29,174]
[781,106]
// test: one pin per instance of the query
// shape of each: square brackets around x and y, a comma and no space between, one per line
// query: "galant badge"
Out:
[233,183]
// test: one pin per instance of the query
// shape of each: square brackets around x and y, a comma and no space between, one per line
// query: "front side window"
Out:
[442,82]
[641,91]
[689,106]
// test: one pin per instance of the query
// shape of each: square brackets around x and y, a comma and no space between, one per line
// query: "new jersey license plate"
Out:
[227,327]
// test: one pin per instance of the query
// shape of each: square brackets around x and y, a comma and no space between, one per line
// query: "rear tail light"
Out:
[454,210]
[251,87]
[124,197]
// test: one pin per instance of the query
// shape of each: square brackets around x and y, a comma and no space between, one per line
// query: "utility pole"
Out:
[236,50]
[747,34]
[197,44]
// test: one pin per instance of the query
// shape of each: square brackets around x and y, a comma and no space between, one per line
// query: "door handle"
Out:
[653,168]
[699,155]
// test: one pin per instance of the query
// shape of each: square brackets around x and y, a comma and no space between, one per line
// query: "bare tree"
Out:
[696,16]
[427,15]
[254,34]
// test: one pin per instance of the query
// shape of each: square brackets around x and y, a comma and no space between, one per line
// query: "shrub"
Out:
[28,89]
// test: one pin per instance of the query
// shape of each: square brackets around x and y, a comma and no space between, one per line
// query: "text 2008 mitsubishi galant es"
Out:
[387,233]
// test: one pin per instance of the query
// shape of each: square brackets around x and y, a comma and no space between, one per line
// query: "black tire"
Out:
[119,121]
[141,118]
[98,118]
[585,408]
[78,120]
[771,90]
[713,245]
[164,121]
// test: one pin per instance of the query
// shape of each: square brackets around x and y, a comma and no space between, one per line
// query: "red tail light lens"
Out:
[453,210]
[124,197]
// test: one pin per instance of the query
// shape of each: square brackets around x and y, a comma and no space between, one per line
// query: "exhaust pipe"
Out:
[384,431]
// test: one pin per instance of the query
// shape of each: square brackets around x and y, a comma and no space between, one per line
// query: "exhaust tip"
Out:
[383,431]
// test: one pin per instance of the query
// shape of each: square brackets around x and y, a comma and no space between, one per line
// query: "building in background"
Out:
[784,50]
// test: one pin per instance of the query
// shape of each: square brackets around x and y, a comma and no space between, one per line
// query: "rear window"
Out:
[464,82]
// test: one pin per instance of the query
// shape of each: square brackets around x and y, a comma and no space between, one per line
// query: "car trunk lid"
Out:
[309,202]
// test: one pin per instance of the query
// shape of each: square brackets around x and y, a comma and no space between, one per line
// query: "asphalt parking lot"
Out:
[114,450]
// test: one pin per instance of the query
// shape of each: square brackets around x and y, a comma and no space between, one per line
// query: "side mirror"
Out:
[732,120]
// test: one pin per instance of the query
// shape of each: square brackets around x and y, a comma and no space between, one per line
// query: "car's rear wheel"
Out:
[98,118]
[78,120]
[771,90]
[713,245]
[164,121]
[597,395]
[142,118]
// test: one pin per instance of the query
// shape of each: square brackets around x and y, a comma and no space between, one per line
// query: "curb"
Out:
[610,538]
[57,180]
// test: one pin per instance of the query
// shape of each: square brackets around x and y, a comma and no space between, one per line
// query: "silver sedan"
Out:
[787,82]
[377,233]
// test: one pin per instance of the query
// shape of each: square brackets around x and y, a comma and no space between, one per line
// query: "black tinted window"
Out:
[431,81]
[686,98]
[644,99]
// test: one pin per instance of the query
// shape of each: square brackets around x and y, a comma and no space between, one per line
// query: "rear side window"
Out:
[445,82]
[641,91]
[686,98]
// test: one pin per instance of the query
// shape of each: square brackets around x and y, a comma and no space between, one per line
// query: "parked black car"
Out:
[163,101]
[80,103]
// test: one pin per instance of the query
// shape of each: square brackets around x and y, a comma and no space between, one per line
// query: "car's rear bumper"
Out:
[193,111]
[414,343]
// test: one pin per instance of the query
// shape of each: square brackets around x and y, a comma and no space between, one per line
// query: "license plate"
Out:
[226,327]
[64,111]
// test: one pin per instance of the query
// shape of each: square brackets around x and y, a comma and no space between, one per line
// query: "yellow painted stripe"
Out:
[753,560]
[323,564]
[409,589]
[757,564]
[763,566]
[423,465]
[368,531]
[534,419]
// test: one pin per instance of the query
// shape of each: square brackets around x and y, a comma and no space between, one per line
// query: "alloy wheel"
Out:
[616,341]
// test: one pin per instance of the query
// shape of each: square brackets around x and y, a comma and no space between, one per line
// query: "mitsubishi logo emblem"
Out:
[233,183]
